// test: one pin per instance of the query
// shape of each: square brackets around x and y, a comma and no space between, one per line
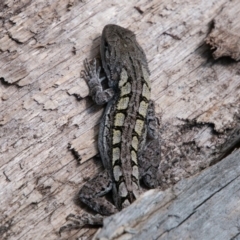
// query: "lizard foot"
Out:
[81,221]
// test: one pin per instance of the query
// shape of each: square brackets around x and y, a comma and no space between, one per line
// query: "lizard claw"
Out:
[91,70]
[80,221]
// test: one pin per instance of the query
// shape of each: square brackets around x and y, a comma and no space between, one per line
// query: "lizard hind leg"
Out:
[149,163]
[81,221]
[92,192]
[92,195]
[150,157]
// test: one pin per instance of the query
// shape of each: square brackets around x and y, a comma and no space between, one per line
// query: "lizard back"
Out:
[123,127]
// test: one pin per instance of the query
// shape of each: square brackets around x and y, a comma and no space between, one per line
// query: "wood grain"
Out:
[44,108]
[201,207]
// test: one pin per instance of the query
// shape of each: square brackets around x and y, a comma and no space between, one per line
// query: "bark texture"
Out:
[203,207]
[225,36]
[47,120]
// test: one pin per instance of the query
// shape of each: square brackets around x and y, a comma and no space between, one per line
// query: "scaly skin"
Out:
[128,137]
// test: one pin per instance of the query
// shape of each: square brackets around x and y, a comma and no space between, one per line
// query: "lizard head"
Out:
[119,49]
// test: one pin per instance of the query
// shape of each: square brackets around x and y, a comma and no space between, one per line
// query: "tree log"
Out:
[47,120]
[206,206]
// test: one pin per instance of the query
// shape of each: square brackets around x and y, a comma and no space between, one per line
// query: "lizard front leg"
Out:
[91,76]
[150,156]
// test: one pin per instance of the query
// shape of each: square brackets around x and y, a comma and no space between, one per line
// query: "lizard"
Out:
[128,139]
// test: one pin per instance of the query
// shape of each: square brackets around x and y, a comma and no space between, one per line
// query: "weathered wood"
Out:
[44,108]
[225,37]
[203,207]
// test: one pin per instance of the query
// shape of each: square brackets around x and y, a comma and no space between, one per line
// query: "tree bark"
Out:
[47,120]
[206,206]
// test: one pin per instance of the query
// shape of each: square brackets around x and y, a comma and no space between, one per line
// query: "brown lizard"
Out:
[128,139]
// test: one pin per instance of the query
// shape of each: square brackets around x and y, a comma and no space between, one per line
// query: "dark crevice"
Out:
[4,82]
[234,237]
[226,148]
[193,123]
[75,153]
[14,39]
[184,220]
